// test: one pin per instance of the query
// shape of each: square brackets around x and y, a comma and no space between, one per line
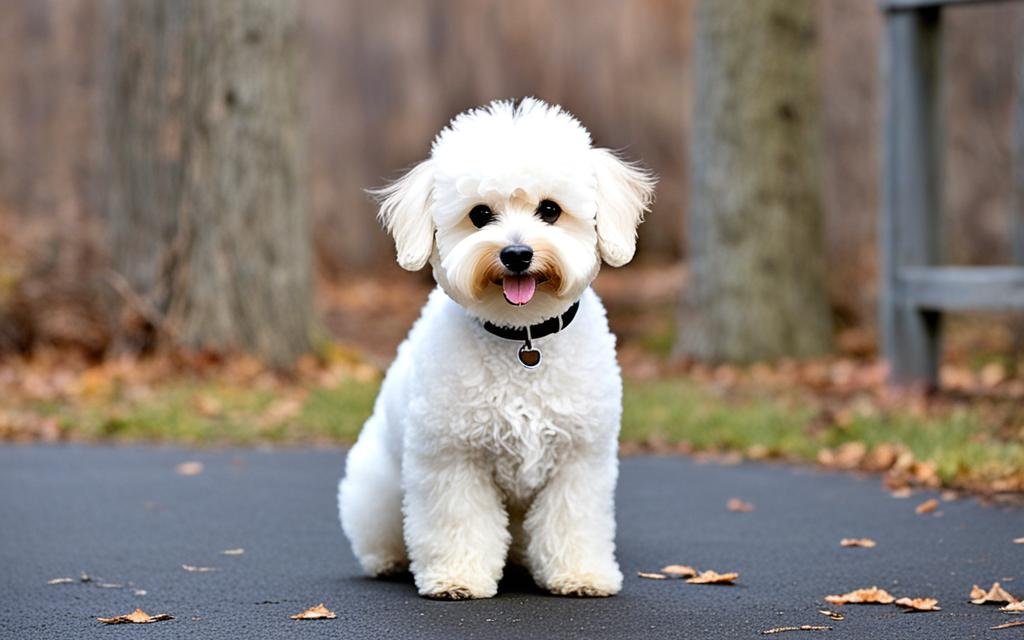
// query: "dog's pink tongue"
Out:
[519,289]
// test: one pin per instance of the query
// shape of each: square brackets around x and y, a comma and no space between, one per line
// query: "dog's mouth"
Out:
[520,288]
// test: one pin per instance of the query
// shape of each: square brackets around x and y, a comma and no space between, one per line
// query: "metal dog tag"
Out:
[529,357]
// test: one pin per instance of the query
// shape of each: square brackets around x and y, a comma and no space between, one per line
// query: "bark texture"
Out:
[209,211]
[756,245]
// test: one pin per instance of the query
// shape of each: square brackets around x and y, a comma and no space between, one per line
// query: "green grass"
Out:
[671,411]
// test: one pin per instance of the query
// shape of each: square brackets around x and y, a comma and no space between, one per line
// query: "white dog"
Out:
[495,434]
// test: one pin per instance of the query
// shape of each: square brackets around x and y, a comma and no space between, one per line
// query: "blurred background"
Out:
[132,263]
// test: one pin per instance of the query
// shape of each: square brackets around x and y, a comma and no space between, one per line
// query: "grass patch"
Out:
[962,447]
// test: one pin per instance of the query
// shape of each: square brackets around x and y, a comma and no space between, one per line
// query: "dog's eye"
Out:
[548,210]
[481,215]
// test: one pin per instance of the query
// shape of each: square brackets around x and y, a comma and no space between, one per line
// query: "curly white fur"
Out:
[469,459]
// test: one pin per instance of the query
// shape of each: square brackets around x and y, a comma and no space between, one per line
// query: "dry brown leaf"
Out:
[190,468]
[833,615]
[195,569]
[136,617]
[233,552]
[679,571]
[60,581]
[1007,625]
[919,604]
[871,595]
[713,577]
[927,506]
[867,543]
[1013,607]
[995,595]
[651,575]
[739,506]
[319,612]
[803,627]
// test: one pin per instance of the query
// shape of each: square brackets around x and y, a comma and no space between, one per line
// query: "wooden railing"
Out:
[916,288]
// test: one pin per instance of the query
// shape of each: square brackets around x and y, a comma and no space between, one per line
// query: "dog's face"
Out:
[514,211]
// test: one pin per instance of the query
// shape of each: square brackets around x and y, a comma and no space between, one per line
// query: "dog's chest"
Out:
[526,422]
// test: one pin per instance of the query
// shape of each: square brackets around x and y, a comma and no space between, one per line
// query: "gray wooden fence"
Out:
[916,288]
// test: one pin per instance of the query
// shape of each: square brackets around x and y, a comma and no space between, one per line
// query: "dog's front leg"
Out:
[456,527]
[571,528]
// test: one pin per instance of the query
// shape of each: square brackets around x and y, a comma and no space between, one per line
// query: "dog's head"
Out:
[514,211]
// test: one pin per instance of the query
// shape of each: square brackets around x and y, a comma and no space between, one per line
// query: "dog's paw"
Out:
[455,590]
[382,567]
[586,585]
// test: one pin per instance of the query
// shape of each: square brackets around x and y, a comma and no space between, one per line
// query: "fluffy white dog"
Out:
[495,434]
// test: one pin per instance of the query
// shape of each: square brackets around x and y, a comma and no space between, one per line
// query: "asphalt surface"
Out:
[124,516]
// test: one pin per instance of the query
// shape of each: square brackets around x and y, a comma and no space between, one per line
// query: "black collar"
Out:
[539,330]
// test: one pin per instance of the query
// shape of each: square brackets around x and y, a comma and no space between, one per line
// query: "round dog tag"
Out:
[529,357]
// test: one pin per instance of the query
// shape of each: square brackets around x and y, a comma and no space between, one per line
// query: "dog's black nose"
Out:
[517,257]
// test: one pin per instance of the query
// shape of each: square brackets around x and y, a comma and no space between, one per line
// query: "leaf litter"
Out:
[871,595]
[713,577]
[739,506]
[650,575]
[996,595]
[319,612]
[190,468]
[866,543]
[928,506]
[1007,625]
[136,617]
[1013,607]
[803,627]
[919,604]
[679,571]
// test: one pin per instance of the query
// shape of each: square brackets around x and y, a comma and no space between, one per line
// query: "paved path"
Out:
[124,516]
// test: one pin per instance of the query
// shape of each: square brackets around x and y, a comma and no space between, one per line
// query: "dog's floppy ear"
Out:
[405,213]
[624,193]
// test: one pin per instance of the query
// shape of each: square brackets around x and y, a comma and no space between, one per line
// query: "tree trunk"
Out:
[209,211]
[756,245]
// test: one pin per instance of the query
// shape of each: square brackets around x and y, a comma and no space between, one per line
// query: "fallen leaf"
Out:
[1007,625]
[867,543]
[1018,541]
[209,406]
[713,577]
[651,576]
[1014,607]
[679,571]
[803,627]
[902,492]
[994,595]
[319,612]
[919,604]
[871,595]
[739,506]
[834,615]
[927,506]
[60,581]
[195,569]
[233,552]
[137,617]
[191,468]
